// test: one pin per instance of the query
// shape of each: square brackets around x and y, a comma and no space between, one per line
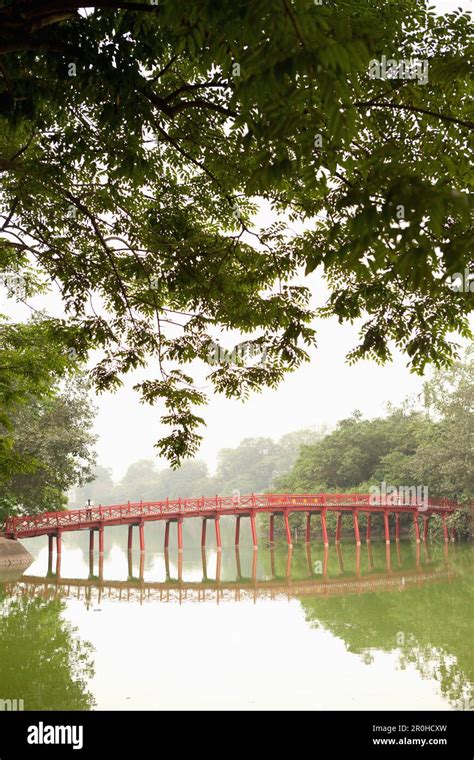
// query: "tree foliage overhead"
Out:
[135,139]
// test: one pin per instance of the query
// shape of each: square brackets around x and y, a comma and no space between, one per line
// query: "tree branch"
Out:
[413,109]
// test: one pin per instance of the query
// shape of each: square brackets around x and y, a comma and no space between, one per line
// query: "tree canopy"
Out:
[136,140]
[46,417]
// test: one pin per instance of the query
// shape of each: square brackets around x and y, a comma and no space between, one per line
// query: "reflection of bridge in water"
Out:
[95,589]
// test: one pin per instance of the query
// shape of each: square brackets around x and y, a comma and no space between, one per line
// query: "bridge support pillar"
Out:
[287,530]
[368,533]
[340,558]
[386,527]
[308,527]
[417,527]
[338,527]
[180,534]
[204,564]
[254,565]
[218,533]
[142,537]
[167,534]
[272,561]
[426,525]
[59,543]
[356,528]
[324,528]
[238,563]
[370,556]
[203,532]
[445,529]
[253,526]
[50,554]
[101,541]
[397,527]
[272,528]
[130,538]
[237,530]
[91,542]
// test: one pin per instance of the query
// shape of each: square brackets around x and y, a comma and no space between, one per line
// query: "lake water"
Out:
[312,629]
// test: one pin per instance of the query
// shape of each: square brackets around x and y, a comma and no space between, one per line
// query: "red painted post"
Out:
[399,554]
[338,527]
[287,529]
[325,561]
[167,534]
[203,533]
[58,565]
[253,526]
[445,529]
[237,530]
[272,528]
[386,526]
[238,563]
[101,540]
[218,533]
[308,527]
[417,527]
[368,534]
[254,565]
[130,538]
[142,537]
[50,545]
[180,534]
[59,543]
[324,528]
[91,542]
[397,527]
[426,525]
[370,556]
[356,528]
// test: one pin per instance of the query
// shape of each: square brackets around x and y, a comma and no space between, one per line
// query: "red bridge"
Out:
[54,524]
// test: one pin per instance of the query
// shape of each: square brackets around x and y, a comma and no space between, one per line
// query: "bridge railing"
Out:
[119,512]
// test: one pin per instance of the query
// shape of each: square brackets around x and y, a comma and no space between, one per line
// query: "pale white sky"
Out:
[319,393]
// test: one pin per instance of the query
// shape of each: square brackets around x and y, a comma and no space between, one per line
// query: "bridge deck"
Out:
[136,513]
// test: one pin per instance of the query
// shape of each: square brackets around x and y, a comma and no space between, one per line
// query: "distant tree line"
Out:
[253,466]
